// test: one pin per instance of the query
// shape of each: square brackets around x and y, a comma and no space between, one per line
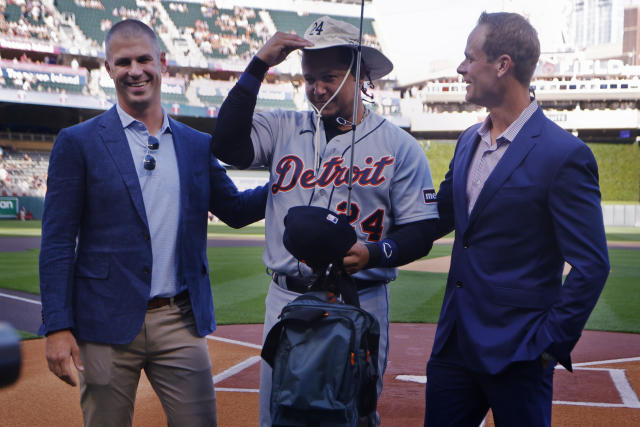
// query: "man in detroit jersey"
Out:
[393,207]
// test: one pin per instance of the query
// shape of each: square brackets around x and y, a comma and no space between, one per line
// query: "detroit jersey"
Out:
[392,183]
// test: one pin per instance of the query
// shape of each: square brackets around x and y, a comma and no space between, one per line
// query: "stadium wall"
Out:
[619,168]
[618,165]
[9,209]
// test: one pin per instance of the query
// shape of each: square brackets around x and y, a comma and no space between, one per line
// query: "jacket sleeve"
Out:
[574,203]
[235,208]
[60,224]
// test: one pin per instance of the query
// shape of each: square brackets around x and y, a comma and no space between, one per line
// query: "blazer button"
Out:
[146,236]
[459,283]
[146,270]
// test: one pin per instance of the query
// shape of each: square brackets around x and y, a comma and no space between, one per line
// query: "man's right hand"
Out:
[60,346]
[279,46]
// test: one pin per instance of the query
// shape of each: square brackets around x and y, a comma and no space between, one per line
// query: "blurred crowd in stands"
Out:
[237,38]
[27,19]
[23,173]
[203,30]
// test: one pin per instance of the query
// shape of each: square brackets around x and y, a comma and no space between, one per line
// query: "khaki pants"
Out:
[175,360]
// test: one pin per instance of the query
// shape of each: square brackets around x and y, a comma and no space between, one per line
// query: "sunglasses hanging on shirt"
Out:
[150,161]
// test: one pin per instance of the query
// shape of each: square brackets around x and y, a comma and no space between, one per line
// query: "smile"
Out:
[137,84]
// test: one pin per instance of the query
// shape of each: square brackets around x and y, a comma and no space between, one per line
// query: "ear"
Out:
[107,66]
[163,62]
[504,64]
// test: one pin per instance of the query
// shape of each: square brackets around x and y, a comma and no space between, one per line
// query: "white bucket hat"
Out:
[327,32]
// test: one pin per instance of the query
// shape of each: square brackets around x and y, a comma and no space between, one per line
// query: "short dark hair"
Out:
[512,34]
[131,27]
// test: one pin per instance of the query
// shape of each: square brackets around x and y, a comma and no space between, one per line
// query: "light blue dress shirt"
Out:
[161,195]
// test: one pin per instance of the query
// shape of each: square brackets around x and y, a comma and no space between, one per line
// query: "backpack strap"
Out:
[346,286]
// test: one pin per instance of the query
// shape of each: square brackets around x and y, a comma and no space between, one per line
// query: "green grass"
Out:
[240,286]
[624,234]
[24,335]
[416,297]
[439,155]
[19,271]
[617,308]
[12,228]
[256,229]
[15,228]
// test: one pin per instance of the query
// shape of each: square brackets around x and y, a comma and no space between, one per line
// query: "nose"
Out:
[462,68]
[135,69]
[318,89]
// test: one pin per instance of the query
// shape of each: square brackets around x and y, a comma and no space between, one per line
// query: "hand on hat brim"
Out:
[279,46]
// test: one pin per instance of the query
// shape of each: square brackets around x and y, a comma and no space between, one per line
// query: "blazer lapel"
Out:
[115,140]
[182,157]
[512,158]
[460,173]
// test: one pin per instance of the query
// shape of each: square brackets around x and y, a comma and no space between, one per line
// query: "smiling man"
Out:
[136,70]
[124,276]
[308,154]
[522,195]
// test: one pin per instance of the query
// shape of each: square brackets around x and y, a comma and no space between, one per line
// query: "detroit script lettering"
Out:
[290,172]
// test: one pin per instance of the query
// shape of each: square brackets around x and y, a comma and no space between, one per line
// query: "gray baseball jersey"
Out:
[392,183]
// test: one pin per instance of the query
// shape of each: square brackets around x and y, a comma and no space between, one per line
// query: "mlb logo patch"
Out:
[332,218]
[429,195]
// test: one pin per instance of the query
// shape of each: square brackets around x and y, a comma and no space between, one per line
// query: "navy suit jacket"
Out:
[95,258]
[539,208]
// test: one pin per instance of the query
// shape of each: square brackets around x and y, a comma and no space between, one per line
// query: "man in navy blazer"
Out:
[124,275]
[522,195]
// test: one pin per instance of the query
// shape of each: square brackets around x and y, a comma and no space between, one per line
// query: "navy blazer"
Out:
[539,208]
[95,258]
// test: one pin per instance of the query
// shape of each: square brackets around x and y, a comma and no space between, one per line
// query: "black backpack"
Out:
[324,355]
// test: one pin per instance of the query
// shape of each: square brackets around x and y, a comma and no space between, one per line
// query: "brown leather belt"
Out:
[158,302]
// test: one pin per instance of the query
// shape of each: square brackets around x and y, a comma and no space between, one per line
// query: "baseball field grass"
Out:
[12,228]
[239,281]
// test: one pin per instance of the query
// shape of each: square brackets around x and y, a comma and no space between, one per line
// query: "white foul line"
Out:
[238,390]
[606,362]
[20,298]
[618,376]
[236,369]
[595,404]
[421,379]
[230,341]
[629,397]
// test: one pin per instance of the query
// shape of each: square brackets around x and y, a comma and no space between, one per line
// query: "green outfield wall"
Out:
[618,165]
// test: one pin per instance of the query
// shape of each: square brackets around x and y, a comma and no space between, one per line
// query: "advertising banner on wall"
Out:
[8,207]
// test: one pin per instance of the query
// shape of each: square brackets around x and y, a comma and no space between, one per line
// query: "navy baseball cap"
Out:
[317,236]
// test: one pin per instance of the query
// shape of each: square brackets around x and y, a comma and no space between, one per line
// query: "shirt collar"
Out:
[514,128]
[128,119]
